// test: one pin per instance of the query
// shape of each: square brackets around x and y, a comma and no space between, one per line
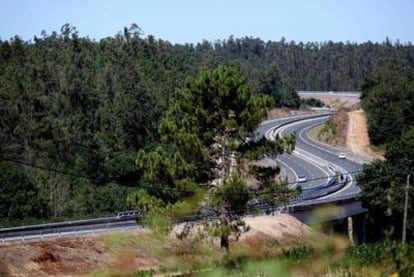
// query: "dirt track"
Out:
[357,139]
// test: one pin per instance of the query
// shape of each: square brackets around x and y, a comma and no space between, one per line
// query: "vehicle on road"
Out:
[127,214]
[301,179]
[341,156]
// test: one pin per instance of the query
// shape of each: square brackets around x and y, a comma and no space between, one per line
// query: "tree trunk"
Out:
[224,242]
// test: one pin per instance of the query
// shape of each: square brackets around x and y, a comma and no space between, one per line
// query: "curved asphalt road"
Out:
[302,166]
[328,154]
[297,166]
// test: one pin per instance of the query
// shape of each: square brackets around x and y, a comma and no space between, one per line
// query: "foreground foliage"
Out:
[263,256]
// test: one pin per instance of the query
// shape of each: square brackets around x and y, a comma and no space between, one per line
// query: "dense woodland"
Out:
[75,112]
[388,100]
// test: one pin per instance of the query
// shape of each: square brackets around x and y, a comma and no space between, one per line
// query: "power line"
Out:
[43,167]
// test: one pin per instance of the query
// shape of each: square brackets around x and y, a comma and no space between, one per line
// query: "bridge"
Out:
[310,93]
[318,162]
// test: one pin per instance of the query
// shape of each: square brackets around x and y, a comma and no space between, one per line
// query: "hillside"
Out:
[75,111]
[126,252]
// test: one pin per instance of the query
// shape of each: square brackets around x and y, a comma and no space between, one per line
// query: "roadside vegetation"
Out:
[385,184]
[265,256]
[311,102]
[386,191]
[75,111]
[91,128]
[334,131]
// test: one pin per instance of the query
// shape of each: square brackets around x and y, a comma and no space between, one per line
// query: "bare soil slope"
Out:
[80,256]
[351,134]
[63,257]
[284,228]
[357,139]
[335,101]
[340,120]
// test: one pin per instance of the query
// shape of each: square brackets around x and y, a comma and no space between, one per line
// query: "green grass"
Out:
[314,132]
[261,256]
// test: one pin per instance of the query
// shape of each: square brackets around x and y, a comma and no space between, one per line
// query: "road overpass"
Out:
[309,93]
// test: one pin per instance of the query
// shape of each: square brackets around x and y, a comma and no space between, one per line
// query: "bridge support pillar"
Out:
[351,230]
[359,228]
[354,228]
[351,227]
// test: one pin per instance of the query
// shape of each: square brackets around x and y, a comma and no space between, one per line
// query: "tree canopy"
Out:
[388,99]
[74,111]
[203,132]
[383,186]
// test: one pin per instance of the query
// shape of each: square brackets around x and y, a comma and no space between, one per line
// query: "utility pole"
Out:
[404,230]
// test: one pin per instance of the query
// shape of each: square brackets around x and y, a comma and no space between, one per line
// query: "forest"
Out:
[75,112]
[388,101]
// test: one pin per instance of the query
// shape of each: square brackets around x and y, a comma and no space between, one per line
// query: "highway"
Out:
[326,153]
[300,165]
[323,158]
[322,154]
[68,228]
[292,163]
[310,159]
[351,94]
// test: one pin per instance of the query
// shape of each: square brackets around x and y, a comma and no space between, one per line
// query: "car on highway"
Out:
[301,179]
[341,155]
[128,214]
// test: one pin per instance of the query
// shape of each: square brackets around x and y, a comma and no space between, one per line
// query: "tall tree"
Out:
[204,128]
[271,83]
[383,185]
[203,136]
[388,99]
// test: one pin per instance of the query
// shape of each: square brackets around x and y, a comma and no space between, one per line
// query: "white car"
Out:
[341,156]
[301,179]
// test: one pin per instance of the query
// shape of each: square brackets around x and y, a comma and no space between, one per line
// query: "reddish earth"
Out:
[352,134]
[340,120]
[351,126]
[275,113]
[82,256]
[357,139]
[69,257]
[63,257]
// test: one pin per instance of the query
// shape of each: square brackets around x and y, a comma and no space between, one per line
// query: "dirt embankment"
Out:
[334,132]
[357,139]
[350,133]
[63,257]
[283,228]
[121,254]
[351,126]
[277,113]
[72,257]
